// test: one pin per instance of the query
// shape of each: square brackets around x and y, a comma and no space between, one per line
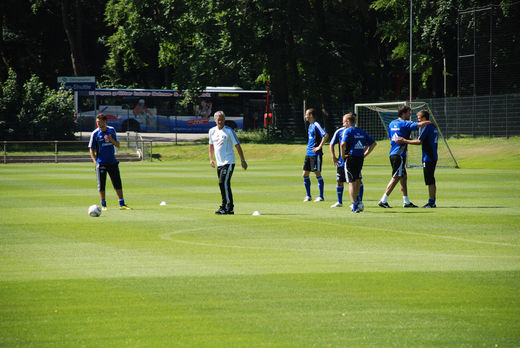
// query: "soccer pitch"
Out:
[299,275]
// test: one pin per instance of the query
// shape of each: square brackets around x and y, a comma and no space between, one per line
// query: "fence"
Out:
[59,151]
[488,58]
[478,116]
[484,116]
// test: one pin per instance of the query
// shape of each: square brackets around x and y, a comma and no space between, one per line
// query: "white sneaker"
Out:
[319,199]
[307,199]
[361,206]
[336,205]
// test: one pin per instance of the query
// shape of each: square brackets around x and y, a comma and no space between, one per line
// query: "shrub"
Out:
[33,111]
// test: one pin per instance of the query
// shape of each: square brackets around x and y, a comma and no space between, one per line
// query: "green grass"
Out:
[299,275]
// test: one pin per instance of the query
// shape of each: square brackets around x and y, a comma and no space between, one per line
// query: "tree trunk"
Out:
[73,36]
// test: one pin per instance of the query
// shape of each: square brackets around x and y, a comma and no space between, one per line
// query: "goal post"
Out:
[374,118]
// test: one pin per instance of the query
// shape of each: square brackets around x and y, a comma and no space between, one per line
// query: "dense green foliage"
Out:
[323,51]
[299,275]
[32,111]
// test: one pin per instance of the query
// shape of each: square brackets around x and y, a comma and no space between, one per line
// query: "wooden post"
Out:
[56,151]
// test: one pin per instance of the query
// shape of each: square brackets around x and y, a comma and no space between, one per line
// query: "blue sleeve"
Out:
[92,141]
[413,125]
[343,137]
[321,130]
[335,137]
[370,140]
[114,134]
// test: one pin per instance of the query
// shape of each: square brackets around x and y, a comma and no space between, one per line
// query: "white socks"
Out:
[384,199]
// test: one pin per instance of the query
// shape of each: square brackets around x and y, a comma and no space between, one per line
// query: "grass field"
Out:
[299,275]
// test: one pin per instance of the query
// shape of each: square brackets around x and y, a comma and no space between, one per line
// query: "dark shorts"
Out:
[113,171]
[429,172]
[398,166]
[353,166]
[313,163]
[340,174]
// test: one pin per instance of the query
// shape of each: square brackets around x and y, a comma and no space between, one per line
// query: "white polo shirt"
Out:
[223,141]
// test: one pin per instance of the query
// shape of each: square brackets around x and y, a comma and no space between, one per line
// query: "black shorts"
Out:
[313,163]
[353,166]
[398,166]
[429,172]
[340,174]
[113,171]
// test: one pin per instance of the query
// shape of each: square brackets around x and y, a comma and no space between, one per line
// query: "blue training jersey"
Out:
[356,140]
[315,134]
[400,128]
[336,139]
[429,137]
[104,149]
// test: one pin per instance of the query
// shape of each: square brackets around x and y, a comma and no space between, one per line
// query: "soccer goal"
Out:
[374,118]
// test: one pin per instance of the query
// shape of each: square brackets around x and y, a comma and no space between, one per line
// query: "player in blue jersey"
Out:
[338,163]
[340,170]
[356,144]
[102,145]
[401,127]
[314,155]
[428,139]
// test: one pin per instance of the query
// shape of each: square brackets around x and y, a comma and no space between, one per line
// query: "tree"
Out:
[32,111]
[434,40]
[72,18]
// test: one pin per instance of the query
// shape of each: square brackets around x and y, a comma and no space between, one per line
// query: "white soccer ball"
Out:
[94,210]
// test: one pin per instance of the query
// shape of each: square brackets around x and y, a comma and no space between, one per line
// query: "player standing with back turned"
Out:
[340,168]
[355,146]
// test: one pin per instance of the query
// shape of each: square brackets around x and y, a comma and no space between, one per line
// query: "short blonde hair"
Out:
[351,117]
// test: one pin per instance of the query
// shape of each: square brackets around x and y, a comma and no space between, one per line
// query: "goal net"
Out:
[374,118]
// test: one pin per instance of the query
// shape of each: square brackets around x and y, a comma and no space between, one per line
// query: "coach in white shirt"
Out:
[221,141]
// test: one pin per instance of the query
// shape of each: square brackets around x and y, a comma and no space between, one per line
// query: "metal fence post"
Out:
[489,116]
[55,151]
[507,117]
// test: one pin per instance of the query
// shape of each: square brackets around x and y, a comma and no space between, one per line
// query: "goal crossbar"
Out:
[386,111]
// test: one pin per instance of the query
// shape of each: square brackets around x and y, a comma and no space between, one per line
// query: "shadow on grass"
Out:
[476,207]
[268,214]
[424,210]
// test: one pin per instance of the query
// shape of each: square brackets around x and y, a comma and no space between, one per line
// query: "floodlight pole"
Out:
[411,50]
